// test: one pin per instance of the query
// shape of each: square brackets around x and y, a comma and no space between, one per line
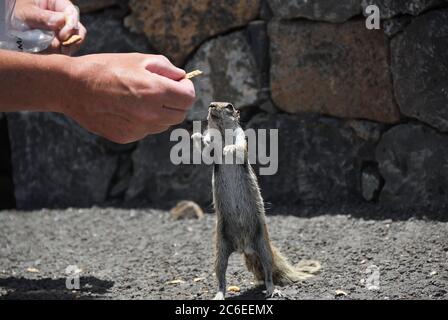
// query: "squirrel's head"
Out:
[223,115]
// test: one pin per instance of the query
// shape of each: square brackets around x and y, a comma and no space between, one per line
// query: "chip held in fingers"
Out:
[73,39]
[193,74]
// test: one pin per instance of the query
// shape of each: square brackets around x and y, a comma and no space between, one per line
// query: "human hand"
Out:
[125,97]
[60,16]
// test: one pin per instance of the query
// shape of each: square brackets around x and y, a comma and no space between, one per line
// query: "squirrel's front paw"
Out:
[197,138]
[232,149]
[207,139]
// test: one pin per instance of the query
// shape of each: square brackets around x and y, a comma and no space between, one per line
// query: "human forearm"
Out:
[33,82]
[122,97]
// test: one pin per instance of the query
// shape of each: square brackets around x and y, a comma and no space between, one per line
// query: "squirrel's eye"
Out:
[229,107]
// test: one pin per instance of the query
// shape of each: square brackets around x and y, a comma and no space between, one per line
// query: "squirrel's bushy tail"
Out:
[283,271]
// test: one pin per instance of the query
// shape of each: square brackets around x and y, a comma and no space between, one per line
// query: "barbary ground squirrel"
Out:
[240,211]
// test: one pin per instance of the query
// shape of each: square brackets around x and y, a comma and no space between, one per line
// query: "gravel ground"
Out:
[134,254]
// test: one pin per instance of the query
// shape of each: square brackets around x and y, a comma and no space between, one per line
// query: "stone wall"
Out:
[362,114]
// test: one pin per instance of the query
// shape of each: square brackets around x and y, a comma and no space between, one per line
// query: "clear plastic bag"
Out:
[17,36]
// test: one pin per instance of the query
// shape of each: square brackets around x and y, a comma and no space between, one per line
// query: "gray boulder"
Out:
[6,185]
[391,8]
[106,34]
[178,28]
[393,26]
[320,159]
[324,10]
[86,6]
[56,163]
[413,161]
[230,73]
[420,69]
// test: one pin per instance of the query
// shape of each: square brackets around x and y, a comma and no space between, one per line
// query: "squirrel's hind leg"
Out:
[267,262]
[223,252]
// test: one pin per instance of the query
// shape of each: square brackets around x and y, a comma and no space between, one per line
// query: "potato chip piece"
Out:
[234,289]
[73,39]
[193,74]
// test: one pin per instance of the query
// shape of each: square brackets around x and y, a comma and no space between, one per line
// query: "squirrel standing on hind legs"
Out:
[240,211]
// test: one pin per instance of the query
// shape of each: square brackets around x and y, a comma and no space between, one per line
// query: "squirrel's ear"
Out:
[237,114]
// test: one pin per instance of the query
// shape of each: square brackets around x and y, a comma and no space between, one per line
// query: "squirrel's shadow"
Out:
[52,289]
[255,293]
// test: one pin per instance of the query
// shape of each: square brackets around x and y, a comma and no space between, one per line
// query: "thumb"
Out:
[163,67]
[45,19]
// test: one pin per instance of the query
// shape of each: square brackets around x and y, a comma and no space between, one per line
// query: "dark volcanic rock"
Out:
[320,159]
[265,10]
[420,69]
[413,161]
[390,8]
[106,34]
[258,39]
[335,69]
[56,163]
[177,28]
[395,25]
[86,6]
[331,11]
[6,185]
[158,182]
